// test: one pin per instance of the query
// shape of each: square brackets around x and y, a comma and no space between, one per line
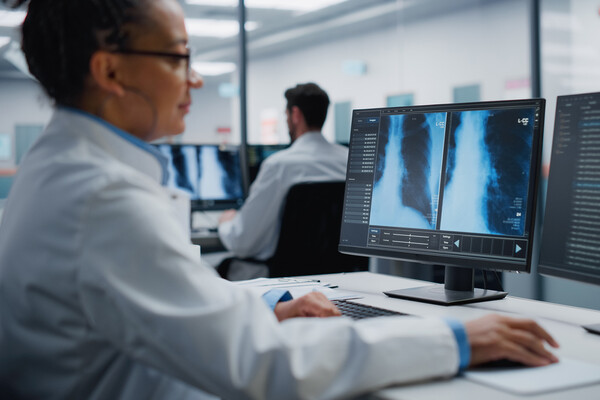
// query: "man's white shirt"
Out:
[254,231]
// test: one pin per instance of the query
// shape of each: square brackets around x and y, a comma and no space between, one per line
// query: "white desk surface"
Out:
[563,323]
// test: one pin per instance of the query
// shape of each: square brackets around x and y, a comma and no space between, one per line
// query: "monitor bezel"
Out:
[254,164]
[463,260]
[556,269]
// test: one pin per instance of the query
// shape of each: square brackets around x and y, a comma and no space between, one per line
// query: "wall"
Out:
[428,57]
[21,102]
[208,113]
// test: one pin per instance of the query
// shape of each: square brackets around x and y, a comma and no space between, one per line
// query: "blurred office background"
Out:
[364,53]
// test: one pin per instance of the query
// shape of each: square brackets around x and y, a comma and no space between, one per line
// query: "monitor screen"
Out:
[571,230]
[451,184]
[211,174]
[257,153]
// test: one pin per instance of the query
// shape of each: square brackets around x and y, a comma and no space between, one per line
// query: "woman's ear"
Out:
[104,68]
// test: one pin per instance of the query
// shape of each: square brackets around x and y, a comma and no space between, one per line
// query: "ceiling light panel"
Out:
[11,19]
[292,5]
[4,40]
[213,68]
[215,27]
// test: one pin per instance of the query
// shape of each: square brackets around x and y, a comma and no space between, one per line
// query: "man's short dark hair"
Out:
[311,100]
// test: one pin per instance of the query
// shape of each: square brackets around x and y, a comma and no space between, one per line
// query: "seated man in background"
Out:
[253,231]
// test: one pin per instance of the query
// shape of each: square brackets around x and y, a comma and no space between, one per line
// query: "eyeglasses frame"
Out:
[187,57]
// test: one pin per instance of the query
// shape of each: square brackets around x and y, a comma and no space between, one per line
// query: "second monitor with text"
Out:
[571,233]
[451,184]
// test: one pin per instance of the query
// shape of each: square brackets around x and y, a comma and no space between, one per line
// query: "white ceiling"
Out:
[279,30]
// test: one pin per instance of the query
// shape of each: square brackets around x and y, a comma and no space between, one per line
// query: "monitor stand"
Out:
[459,288]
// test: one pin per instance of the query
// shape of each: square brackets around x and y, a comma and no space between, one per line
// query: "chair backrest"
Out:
[310,232]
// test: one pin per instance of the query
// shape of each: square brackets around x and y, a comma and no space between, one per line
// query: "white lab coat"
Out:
[102,297]
[254,231]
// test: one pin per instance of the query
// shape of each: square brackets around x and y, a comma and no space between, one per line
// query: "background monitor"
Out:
[210,174]
[571,231]
[257,153]
[450,184]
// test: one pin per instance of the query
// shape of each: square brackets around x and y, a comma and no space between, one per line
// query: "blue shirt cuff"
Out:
[464,349]
[274,296]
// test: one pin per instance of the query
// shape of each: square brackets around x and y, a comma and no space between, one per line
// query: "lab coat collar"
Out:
[309,137]
[123,146]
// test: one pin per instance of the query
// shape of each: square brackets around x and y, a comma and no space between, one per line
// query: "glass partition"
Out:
[570,54]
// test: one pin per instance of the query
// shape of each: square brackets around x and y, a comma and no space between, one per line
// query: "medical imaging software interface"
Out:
[571,235]
[210,175]
[448,181]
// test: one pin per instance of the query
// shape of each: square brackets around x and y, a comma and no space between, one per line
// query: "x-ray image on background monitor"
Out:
[209,174]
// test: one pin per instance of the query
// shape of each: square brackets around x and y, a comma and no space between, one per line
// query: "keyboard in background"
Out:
[205,220]
[360,311]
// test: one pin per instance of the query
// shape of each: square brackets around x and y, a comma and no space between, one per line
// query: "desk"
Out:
[563,322]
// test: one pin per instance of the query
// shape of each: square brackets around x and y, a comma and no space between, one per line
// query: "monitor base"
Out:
[437,294]
[593,328]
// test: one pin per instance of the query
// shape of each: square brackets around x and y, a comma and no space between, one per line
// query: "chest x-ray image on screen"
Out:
[487,157]
[489,153]
[209,174]
[452,184]
[409,165]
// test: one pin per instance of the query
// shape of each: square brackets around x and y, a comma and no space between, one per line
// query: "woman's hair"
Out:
[60,36]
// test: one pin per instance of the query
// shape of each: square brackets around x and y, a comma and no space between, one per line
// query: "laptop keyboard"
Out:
[360,311]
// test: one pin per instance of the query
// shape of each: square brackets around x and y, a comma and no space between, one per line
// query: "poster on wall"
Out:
[25,136]
[269,121]
[400,100]
[342,115]
[6,166]
[466,94]
[519,88]
[5,147]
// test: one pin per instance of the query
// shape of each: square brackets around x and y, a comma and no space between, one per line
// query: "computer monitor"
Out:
[211,174]
[257,153]
[450,184]
[571,229]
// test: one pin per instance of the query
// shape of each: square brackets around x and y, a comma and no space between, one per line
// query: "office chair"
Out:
[309,236]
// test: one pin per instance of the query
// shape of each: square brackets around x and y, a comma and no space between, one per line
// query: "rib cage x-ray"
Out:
[204,171]
[487,171]
[407,176]
[485,178]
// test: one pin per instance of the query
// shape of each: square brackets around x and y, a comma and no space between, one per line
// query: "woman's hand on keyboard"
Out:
[314,304]
[496,337]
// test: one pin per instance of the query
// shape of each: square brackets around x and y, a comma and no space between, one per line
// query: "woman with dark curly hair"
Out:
[101,294]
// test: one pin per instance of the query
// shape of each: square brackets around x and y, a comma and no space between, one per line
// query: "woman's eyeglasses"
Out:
[178,56]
